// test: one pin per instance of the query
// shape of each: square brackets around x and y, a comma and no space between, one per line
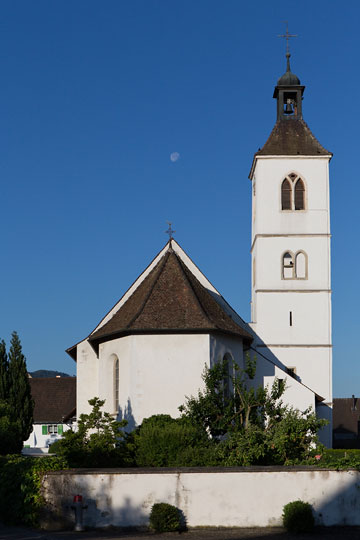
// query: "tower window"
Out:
[286,195]
[294,266]
[288,265]
[301,265]
[299,195]
[292,193]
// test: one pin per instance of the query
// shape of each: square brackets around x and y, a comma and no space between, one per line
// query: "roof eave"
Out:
[95,341]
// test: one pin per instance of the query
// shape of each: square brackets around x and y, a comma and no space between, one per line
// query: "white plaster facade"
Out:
[292,317]
[157,370]
[41,441]
[224,498]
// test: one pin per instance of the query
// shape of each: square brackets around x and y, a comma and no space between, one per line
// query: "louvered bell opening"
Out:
[299,195]
[286,195]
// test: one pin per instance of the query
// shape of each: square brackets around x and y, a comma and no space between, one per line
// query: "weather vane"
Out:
[287,36]
[170,231]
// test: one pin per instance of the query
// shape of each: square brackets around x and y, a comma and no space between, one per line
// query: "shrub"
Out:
[98,442]
[162,441]
[165,518]
[298,517]
[20,485]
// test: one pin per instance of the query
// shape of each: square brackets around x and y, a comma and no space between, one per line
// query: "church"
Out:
[149,351]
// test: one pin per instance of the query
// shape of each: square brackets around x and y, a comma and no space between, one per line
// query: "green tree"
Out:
[98,441]
[10,436]
[19,396]
[220,412]
[4,375]
[252,425]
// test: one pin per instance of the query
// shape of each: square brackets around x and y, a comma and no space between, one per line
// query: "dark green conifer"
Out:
[4,366]
[20,400]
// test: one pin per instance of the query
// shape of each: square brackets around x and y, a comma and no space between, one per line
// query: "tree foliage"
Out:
[252,425]
[98,441]
[16,403]
[4,375]
[19,397]
[162,441]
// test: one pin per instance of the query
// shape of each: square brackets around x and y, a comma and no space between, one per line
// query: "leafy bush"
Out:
[339,459]
[98,442]
[298,517]
[20,483]
[165,518]
[162,441]
[251,426]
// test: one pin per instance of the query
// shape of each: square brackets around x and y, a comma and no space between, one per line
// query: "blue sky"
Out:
[95,96]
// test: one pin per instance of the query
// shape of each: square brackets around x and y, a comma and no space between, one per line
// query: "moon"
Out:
[174,156]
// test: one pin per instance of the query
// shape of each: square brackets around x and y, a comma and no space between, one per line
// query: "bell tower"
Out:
[290,248]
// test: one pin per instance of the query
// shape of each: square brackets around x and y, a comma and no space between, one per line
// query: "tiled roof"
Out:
[170,299]
[290,138]
[55,398]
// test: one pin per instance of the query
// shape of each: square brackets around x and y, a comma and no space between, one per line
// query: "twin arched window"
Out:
[294,266]
[292,193]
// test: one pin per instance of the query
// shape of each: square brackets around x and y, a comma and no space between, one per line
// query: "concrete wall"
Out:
[237,497]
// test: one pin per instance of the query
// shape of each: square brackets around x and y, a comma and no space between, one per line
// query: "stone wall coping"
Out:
[198,470]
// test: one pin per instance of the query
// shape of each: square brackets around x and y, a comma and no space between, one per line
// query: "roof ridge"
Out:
[208,316]
[141,308]
[313,136]
[181,263]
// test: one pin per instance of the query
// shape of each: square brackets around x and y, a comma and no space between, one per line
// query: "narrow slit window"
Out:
[290,318]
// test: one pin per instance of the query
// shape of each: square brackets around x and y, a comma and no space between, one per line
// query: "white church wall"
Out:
[313,366]
[308,324]
[86,377]
[156,373]
[269,174]
[221,345]
[269,254]
[296,394]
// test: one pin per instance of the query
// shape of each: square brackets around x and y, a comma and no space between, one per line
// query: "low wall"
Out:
[224,497]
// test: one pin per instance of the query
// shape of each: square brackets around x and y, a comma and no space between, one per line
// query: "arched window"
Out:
[288,265]
[292,193]
[116,384]
[301,265]
[286,195]
[227,373]
[299,198]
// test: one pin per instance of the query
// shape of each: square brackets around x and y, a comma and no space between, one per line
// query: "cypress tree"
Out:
[20,400]
[4,378]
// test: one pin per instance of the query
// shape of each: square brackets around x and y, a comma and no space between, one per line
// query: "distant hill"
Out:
[47,373]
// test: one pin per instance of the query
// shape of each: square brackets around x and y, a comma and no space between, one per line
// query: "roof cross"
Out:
[170,231]
[287,36]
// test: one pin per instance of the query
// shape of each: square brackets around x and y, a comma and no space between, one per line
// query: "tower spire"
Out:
[288,91]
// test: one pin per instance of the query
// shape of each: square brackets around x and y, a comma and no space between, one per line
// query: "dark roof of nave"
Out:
[291,138]
[169,299]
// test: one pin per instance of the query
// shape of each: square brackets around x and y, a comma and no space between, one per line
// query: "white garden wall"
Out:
[232,497]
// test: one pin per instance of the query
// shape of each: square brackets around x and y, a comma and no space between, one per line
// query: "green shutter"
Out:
[60,429]
[44,430]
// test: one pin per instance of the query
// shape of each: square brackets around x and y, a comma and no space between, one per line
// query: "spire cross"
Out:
[287,36]
[170,231]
